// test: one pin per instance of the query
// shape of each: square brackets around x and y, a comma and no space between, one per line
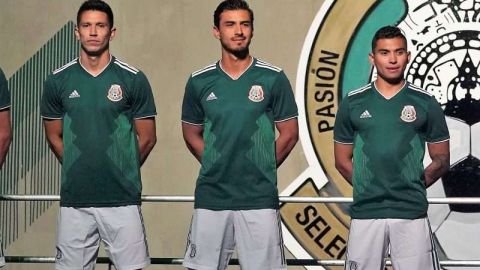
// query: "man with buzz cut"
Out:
[99,118]
[380,134]
[230,111]
[5,134]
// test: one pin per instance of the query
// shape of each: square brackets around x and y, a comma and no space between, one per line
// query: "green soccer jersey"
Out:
[4,94]
[101,162]
[238,164]
[388,137]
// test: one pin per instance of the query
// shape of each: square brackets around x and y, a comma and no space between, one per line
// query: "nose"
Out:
[393,58]
[93,30]
[238,30]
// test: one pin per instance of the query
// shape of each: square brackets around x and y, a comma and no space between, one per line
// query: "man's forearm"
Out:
[283,147]
[145,146]
[5,139]
[439,166]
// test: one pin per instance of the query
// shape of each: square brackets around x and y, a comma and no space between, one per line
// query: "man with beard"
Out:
[5,133]
[383,126]
[99,121]
[230,111]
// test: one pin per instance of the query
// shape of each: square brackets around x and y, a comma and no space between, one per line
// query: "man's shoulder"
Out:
[360,92]
[417,91]
[267,68]
[65,69]
[205,71]
[126,69]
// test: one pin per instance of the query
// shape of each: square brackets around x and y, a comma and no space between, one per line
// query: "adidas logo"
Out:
[211,96]
[74,94]
[365,114]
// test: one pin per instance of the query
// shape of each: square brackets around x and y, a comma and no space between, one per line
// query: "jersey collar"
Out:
[233,78]
[109,62]
[389,98]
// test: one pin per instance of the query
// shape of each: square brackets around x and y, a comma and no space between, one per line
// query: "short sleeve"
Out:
[4,94]
[192,111]
[343,130]
[284,106]
[437,130]
[143,103]
[51,106]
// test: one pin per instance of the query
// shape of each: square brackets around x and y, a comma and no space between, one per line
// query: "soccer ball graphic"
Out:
[445,61]
[444,39]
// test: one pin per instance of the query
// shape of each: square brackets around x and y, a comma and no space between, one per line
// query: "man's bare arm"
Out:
[54,133]
[5,135]
[193,136]
[440,155]
[343,160]
[286,140]
[146,136]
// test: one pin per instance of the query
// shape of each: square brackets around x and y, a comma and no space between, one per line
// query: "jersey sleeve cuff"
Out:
[192,123]
[287,118]
[342,142]
[439,141]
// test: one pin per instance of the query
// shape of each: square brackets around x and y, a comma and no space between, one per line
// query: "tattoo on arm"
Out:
[439,166]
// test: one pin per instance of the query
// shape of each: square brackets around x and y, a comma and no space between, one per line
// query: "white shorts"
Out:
[256,234]
[410,241]
[119,228]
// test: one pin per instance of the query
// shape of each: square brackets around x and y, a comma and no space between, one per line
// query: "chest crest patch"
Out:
[256,93]
[408,114]
[115,93]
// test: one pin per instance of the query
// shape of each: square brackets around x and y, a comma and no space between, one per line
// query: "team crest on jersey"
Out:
[408,114]
[256,93]
[115,93]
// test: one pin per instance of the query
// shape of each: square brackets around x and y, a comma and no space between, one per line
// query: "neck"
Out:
[94,64]
[389,89]
[233,65]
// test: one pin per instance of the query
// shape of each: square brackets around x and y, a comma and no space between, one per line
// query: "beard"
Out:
[240,53]
[97,52]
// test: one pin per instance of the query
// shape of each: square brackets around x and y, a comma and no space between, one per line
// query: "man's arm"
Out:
[193,136]
[440,155]
[54,132]
[287,138]
[146,136]
[343,160]
[5,134]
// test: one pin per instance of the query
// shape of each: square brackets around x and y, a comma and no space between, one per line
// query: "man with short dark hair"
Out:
[230,111]
[5,133]
[383,126]
[99,118]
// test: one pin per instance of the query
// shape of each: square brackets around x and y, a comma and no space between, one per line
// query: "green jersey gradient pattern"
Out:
[389,138]
[101,166]
[238,164]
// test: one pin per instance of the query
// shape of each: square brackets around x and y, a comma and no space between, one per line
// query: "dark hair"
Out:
[231,5]
[98,5]
[387,32]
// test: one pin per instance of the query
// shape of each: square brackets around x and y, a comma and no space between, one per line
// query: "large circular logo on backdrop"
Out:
[444,39]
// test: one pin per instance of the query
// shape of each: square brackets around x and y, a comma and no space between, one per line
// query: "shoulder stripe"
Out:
[263,63]
[73,62]
[268,67]
[125,67]
[204,69]
[360,90]
[418,89]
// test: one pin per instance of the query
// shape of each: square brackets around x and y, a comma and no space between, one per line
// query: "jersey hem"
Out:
[237,207]
[98,204]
